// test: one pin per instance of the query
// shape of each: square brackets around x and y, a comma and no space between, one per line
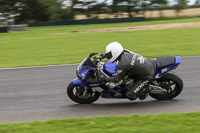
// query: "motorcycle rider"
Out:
[143,69]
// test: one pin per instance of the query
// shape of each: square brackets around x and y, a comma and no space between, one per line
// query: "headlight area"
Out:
[79,76]
[91,77]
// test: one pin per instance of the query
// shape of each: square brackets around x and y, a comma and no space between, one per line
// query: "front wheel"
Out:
[75,93]
[172,83]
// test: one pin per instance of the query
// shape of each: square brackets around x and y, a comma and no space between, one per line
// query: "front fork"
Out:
[85,92]
[82,85]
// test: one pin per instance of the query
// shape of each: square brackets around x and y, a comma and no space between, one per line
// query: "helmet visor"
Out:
[109,55]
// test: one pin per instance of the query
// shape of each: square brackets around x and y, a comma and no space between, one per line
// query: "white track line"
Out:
[198,56]
[67,65]
[37,67]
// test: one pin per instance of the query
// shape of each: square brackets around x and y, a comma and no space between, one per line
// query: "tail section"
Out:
[165,64]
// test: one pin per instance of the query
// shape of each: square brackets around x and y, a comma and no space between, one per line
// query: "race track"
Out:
[33,94]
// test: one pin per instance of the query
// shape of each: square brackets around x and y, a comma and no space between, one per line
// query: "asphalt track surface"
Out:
[34,94]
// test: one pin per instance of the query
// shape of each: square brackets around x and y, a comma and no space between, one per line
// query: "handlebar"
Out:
[99,58]
[96,60]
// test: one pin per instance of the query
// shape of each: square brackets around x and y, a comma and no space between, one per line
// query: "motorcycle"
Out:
[87,88]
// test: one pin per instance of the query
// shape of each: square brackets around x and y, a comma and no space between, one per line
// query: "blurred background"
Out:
[56,32]
[52,29]
[27,11]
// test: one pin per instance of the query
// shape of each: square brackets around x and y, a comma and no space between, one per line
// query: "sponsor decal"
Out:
[138,58]
[78,68]
[157,76]
[94,84]
[141,59]
[82,75]
[119,71]
[115,74]
[133,60]
[120,82]
[114,84]
[164,70]
[140,86]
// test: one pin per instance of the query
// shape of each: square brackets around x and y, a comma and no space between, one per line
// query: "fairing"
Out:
[110,68]
[161,72]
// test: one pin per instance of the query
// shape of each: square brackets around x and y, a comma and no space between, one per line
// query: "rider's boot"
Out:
[136,90]
[145,93]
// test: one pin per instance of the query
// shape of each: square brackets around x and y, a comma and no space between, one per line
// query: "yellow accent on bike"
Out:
[78,68]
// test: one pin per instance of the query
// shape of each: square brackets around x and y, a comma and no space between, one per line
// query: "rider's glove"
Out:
[102,56]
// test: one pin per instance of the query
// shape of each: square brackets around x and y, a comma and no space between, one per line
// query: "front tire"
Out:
[172,83]
[75,93]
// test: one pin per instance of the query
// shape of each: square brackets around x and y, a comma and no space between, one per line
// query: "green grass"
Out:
[172,18]
[111,25]
[38,46]
[161,123]
[115,25]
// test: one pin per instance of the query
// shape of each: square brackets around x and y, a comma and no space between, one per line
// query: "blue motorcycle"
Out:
[87,89]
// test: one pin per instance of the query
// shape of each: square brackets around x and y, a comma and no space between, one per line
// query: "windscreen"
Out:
[88,63]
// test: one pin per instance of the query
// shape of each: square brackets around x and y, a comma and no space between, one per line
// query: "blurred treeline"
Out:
[47,10]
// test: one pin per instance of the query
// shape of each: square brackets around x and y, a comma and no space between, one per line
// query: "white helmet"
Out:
[113,51]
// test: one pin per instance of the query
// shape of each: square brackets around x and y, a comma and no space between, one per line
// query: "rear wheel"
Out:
[76,94]
[172,83]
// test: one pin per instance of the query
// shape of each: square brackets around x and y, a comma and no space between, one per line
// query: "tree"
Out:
[117,6]
[181,4]
[80,6]
[158,4]
[8,7]
[197,2]
[72,9]
[99,7]
[54,10]
[34,10]
[86,7]
[131,7]
[144,5]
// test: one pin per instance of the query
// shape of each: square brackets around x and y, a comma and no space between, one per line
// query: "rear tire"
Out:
[168,79]
[74,92]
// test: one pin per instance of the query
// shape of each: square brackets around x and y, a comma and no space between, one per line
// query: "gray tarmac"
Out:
[34,94]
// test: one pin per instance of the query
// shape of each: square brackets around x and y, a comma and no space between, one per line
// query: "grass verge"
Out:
[67,28]
[172,18]
[161,123]
[38,46]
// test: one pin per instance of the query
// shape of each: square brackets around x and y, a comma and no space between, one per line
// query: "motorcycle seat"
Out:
[164,61]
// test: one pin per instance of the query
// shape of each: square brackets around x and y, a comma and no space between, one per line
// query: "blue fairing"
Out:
[77,81]
[110,68]
[178,60]
[161,72]
[83,72]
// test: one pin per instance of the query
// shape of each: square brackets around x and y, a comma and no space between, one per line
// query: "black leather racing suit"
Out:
[135,65]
